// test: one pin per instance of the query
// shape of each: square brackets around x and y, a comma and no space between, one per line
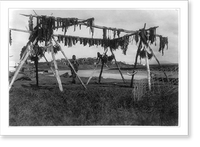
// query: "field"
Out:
[109,103]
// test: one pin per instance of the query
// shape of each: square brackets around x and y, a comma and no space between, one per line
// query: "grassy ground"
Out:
[110,103]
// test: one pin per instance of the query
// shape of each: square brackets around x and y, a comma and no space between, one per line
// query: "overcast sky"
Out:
[167,20]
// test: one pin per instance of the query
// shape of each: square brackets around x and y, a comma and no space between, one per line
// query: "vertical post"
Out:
[148,70]
[56,69]
[29,47]
[134,67]
[36,70]
[136,58]
[96,68]
[101,72]
[105,51]
[117,65]
[146,58]
[70,63]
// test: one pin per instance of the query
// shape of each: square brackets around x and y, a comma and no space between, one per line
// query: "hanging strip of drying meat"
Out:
[73,40]
[70,42]
[143,37]
[114,33]
[136,37]
[152,35]
[65,43]
[53,23]
[104,33]
[118,33]
[58,23]
[10,37]
[59,39]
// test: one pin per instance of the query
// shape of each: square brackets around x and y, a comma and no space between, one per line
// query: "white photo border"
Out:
[181,129]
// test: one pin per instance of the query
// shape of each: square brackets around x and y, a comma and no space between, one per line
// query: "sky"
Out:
[129,19]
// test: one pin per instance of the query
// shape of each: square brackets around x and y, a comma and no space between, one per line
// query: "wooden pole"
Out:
[56,69]
[137,58]
[105,51]
[19,30]
[99,27]
[137,54]
[101,71]
[134,70]
[121,30]
[83,22]
[118,66]
[147,63]
[73,68]
[91,75]
[96,68]
[29,47]
[49,65]
[148,70]
[70,63]
[159,64]
[36,70]
[24,54]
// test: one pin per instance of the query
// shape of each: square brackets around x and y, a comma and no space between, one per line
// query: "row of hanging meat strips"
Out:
[123,42]
[56,23]
[48,24]
[69,41]
[150,34]
[72,40]
[107,33]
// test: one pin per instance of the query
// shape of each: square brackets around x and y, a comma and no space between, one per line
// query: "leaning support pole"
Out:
[56,69]
[70,63]
[148,70]
[49,65]
[73,68]
[134,69]
[29,47]
[95,68]
[101,72]
[159,64]
[117,65]
[91,75]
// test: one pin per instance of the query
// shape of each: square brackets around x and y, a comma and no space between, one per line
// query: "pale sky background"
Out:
[167,20]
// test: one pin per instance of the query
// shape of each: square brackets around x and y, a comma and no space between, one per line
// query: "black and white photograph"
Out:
[93,67]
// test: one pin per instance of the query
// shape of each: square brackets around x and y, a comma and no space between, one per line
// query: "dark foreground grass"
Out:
[99,105]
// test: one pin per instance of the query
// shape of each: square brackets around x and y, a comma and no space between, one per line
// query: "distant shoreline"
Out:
[43,67]
[142,67]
